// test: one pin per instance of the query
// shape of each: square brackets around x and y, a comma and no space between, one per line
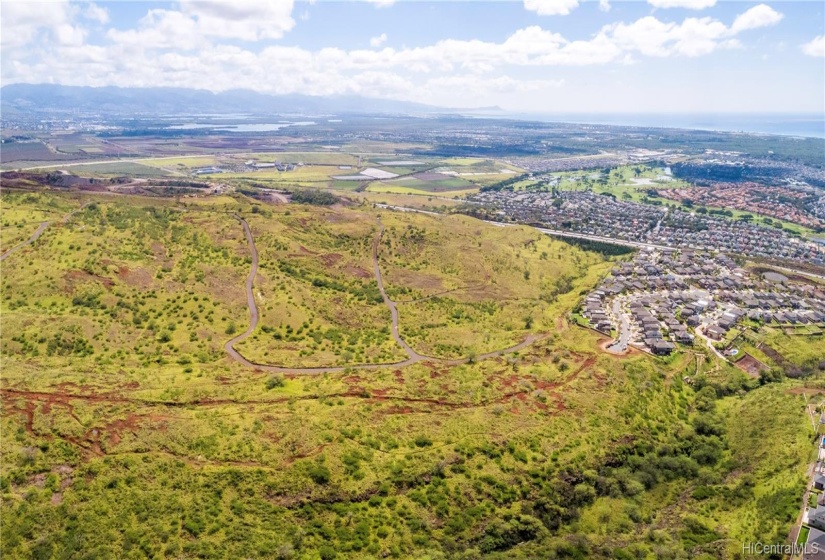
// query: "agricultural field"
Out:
[307,158]
[480,171]
[180,163]
[21,154]
[118,169]
[424,183]
[129,432]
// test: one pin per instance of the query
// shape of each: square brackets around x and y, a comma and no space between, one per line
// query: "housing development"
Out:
[599,215]
[665,298]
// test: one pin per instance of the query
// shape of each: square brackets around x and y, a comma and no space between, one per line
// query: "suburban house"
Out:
[816,518]
[815,546]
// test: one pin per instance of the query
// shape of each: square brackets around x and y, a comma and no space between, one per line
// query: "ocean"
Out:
[787,124]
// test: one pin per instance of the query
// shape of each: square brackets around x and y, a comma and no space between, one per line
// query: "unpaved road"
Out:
[413,356]
[38,232]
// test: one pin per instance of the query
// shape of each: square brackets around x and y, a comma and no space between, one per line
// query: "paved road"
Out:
[38,232]
[620,346]
[413,358]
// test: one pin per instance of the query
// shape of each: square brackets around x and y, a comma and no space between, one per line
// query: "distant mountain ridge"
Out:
[28,98]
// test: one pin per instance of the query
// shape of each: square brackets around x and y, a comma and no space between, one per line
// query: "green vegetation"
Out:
[129,433]
[314,196]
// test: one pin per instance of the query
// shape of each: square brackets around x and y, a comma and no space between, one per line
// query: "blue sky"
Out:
[551,56]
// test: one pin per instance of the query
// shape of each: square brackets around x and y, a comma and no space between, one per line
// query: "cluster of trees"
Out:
[315,197]
[606,249]
[505,184]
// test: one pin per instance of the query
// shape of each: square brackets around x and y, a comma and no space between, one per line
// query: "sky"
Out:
[539,56]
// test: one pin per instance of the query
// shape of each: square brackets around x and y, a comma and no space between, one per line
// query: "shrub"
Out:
[274,382]
[422,441]
[319,474]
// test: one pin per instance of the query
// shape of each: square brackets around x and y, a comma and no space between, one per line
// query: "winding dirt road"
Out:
[413,356]
[38,232]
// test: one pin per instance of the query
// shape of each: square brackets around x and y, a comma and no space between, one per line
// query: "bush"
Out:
[275,382]
[319,474]
[327,552]
[422,441]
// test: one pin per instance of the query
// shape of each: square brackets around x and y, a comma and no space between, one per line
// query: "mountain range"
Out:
[18,99]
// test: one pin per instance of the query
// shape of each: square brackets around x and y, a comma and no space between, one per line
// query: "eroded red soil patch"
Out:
[75,277]
[330,259]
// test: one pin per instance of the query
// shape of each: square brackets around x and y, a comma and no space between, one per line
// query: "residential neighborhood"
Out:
[667,298]
[601,215]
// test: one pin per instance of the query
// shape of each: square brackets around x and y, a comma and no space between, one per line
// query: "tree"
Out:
[773,375]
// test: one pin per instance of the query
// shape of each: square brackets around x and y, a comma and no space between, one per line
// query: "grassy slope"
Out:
[560,449]
[505,279]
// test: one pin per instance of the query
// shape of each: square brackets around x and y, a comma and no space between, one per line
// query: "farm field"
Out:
[20,154]
[129,431]
[307,158]
[120,168]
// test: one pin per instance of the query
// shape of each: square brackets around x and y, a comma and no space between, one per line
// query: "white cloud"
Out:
[376,42]
[22,22]
[756,17]
[182,47]
[96,13]
[604,6]
[381,3]
[688,4]
[199,20]
[815,47]
[551,7]
[250,20]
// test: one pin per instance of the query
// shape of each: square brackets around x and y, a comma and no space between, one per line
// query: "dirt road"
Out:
[38,232]
[413,356]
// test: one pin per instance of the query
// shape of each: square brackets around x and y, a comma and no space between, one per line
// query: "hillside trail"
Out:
[412,355]
[38,232]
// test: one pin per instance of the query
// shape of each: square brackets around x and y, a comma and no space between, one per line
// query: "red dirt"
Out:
[358,272]
[330,259]
[73,277]
[398,410]
[751,365]
[805,391]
